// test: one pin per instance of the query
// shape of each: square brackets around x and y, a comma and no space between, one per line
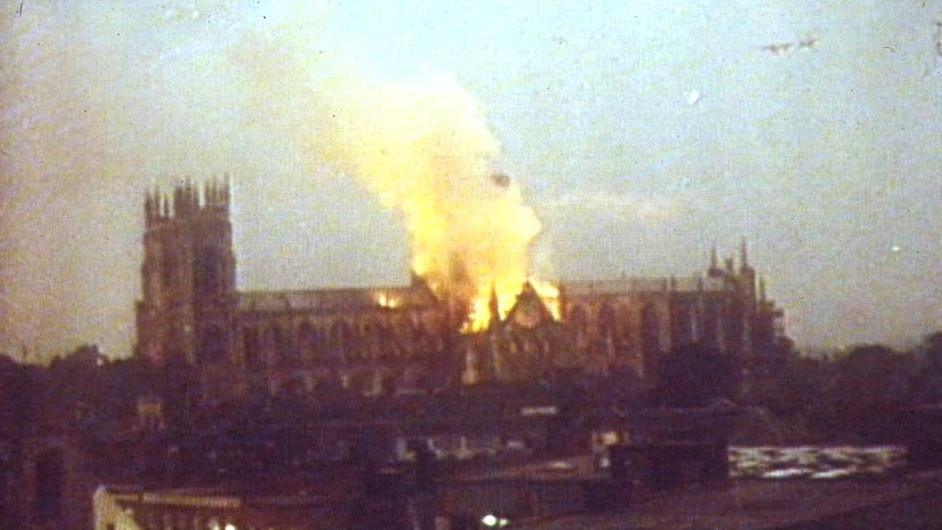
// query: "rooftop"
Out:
[347,299]
[642,285]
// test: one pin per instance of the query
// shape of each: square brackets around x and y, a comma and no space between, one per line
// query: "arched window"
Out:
[608,322]
[309,340]
[681,325]
[251,347]
[285,353]
[341,339]
[650,332]
[386,338]
[625,330]
[208,273]
[579,318]
[173,345]
[213,344]
[168,266]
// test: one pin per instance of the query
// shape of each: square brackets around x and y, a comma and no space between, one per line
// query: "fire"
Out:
[480,315]
[549,293]
[386,301]
[424,149]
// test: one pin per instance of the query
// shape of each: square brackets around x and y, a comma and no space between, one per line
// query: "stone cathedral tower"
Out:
[188,276]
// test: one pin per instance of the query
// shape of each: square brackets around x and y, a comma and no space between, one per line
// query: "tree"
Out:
[695,374]
[869,386]
[933,348]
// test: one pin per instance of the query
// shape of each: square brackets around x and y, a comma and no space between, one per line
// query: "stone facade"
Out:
[405,338]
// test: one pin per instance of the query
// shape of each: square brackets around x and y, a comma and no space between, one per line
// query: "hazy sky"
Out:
[827,158]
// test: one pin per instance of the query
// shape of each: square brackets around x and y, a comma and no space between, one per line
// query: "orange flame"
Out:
[425,151]
[480,315]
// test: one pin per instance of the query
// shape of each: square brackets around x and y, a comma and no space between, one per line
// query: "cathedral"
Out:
[400,339]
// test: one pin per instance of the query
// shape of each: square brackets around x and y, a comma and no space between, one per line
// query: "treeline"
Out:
[82,390]
[859,396]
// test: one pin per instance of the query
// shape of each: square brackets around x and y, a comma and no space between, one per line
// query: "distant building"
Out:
[404,338]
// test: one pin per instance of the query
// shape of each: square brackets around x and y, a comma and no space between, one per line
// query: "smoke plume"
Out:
[424,148]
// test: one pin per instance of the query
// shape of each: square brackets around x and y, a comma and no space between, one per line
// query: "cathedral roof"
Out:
[347,299]
[529,311]
[641,285]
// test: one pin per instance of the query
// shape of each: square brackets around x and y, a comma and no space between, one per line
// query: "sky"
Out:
[641,133]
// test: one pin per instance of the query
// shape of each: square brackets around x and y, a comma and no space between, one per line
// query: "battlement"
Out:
[186,200]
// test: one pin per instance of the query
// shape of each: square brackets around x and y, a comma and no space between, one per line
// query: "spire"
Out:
[743,254]
[494,306]
[155,202]
[165,205]
[714,271]
[762,289]
[178,207]
[192,195]
[224,195]
[148,207]
[209,199]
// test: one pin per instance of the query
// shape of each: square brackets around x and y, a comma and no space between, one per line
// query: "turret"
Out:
[216,195]
[188,275]
[494,308]
[747,275]
[165,206]
[714,271]
[150,209]
[744,268]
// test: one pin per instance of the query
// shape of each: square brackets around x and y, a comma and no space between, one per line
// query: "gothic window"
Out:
[650,332]
[711,324]
[386,338]
[579,318]
[251,347]
[734,320]
[285,352]
[308,339]
[168,265]
[213,345]
[341,338]
[418,332]
[607,321]
[173,344]
[208,277]
[682,326]
[368,334]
